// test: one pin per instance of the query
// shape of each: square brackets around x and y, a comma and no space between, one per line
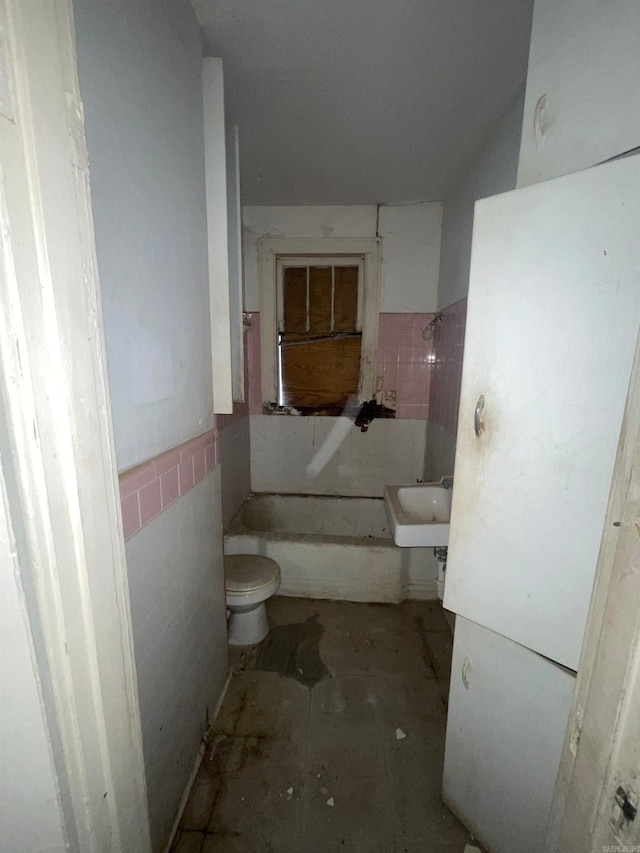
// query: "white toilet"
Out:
[250,580]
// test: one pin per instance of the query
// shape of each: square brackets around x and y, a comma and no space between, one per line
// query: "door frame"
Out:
[56,437]
[603,723]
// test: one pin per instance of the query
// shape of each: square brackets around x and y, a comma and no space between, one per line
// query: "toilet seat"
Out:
[250,580]
[248,573]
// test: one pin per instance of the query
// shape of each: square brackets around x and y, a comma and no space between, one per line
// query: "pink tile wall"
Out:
[448,341]
[404,363]
[149,488]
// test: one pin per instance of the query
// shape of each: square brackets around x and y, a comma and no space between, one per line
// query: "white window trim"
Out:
[270,251]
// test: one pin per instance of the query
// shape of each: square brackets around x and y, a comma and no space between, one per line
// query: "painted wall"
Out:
[493,172]
[140,76]
[30,814]
[410,256]
[582,105]
[392,450]
[411,245]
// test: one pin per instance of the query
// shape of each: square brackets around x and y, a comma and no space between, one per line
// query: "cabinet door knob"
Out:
[477,418]
[466,671]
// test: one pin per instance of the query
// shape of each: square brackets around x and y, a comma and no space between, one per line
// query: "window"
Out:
[319,313]
[319,331]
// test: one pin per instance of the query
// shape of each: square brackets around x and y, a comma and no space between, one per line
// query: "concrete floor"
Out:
[330,737]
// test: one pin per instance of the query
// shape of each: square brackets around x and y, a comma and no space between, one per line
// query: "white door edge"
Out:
[602,733]
[56,437]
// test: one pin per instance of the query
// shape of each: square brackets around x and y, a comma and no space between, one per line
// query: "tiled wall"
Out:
[151,487]
[448,351]
[171,511]
[404,363]
[391,451]
[448,347]
[284,450]
[176,590]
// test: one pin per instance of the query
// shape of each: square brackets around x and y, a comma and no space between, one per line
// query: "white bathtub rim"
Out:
[350,567]
[299,588]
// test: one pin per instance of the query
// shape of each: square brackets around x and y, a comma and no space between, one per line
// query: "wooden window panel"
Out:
[320,284]
[320,373]
[295,300]
[345,307]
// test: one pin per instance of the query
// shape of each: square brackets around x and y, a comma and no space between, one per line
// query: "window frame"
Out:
[323,250]
[284,261]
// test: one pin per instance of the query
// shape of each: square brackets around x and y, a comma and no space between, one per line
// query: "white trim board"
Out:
[217,234]
[56,438]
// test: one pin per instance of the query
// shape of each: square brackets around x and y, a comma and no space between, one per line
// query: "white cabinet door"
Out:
[553,315]
[508,710]
[582,104]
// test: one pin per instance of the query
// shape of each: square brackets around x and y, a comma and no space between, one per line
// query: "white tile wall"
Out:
[392,451]
[236,466]
[441,452]
[176,585]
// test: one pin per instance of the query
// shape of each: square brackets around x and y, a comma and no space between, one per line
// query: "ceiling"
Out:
[363,101]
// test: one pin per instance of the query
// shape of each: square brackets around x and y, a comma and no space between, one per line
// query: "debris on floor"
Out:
[330,737]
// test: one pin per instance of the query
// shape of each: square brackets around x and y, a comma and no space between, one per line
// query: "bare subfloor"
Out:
[330,737]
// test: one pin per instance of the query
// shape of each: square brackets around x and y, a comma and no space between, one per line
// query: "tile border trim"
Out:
[152,486]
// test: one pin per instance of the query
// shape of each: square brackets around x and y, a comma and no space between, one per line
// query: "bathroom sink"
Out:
[418,514]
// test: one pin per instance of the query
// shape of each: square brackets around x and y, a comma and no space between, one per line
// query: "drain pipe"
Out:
[441,557]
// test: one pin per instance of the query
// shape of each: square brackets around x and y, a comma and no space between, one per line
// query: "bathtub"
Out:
[331,547]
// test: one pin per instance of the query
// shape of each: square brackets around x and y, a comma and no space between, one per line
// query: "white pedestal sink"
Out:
[418,514]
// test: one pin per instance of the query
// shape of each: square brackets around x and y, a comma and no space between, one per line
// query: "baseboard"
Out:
[196,767]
